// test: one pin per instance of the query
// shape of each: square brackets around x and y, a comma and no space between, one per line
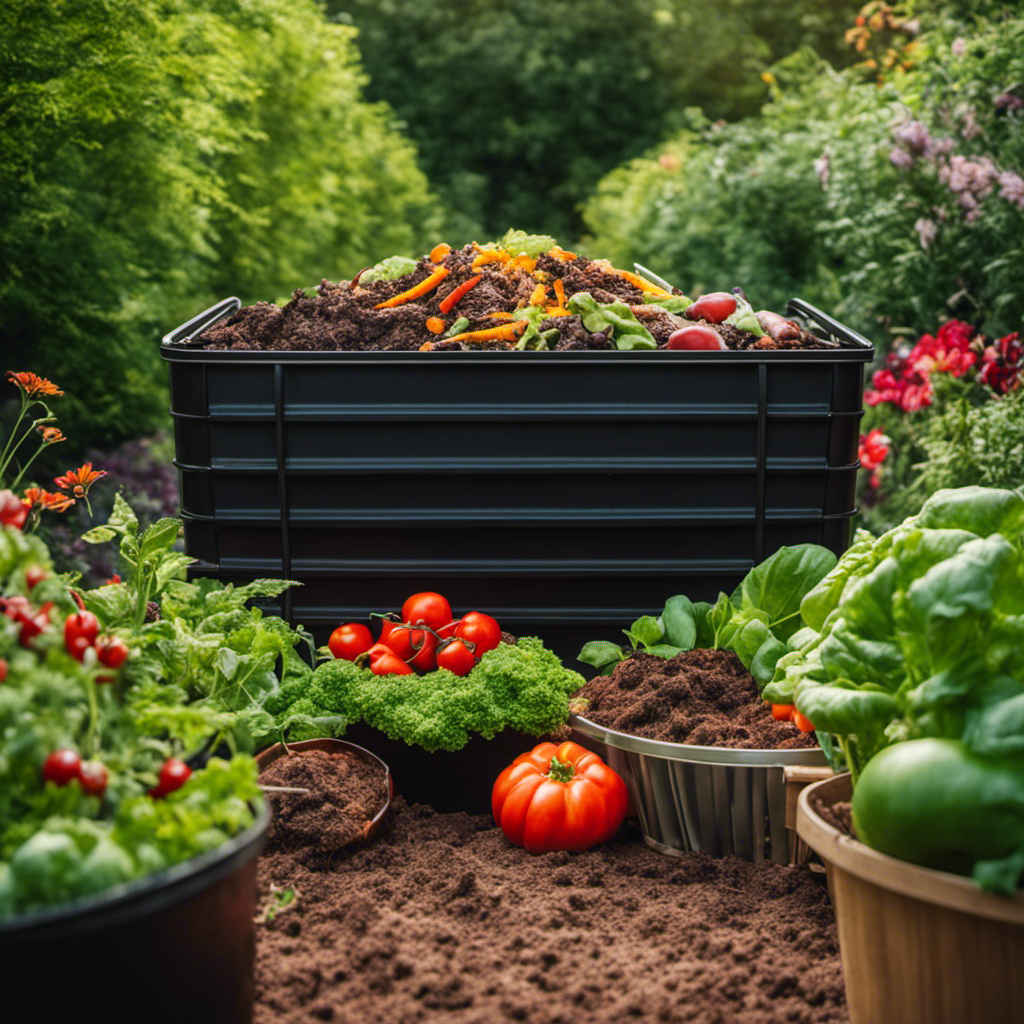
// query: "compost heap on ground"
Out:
[440,919]
[703,696]
[521,293]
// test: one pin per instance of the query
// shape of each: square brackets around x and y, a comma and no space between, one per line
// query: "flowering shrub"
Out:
[34,418]
[945,412]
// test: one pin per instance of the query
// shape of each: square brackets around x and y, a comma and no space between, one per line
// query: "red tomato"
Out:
[695,337]
[3,669]
[78,626]
[61,767]
[715,307]
[111,651]
[34,575]
[456,657]
[802,722]
[427,607]
[92,777]
[782,712]
[33,625]
[481,630]
[559,798]
[448,629]
[173,775]
[350,640]
[384,662]
[13,511]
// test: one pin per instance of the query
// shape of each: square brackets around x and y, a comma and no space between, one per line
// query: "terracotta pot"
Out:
[267,757]
[918,946]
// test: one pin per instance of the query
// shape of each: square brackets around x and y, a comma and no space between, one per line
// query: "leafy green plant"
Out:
[759,621]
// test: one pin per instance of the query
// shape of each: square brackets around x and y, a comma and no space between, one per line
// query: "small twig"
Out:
[283,789]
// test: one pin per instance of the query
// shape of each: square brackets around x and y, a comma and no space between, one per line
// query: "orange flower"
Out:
[78,481]
[49,500]
[51,435]
[33,384]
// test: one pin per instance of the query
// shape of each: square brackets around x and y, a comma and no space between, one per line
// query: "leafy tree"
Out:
[157,154]
[518,107]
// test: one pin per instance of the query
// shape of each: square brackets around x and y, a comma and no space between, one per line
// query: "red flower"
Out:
[51,435]
[1002,364]
[872,452]
[13,511]
[33,384]
[49,500]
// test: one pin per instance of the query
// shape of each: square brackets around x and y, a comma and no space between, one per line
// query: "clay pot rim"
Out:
[736,757]
[269,755]
[942,888]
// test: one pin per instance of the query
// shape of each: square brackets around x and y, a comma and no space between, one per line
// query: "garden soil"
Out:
[439,918]
[704,697]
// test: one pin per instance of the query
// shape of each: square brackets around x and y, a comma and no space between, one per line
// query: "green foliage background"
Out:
[157,155]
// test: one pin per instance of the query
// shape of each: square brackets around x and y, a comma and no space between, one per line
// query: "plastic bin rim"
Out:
[120,902]
[729,756]
[175,346]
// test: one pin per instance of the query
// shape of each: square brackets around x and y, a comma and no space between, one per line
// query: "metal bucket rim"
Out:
[731,756]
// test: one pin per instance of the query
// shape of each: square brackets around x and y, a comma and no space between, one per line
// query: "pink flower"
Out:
[1011,187]
[926,231]
[959,47]
[912,135]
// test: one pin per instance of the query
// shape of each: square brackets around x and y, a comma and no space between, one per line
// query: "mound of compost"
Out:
[345,315]
[704,697]
[344,794]
[440,919]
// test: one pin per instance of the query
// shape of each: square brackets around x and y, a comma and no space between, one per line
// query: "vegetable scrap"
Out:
[552,298]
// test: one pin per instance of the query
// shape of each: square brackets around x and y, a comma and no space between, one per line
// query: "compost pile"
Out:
[486,297]
[705,697]
[439,918]
[344,794]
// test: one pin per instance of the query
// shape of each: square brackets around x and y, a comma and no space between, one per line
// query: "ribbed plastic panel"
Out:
[563,492]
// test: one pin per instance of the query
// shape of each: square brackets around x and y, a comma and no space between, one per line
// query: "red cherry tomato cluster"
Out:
[33,620]
[64,766]
[423,638]
[789,713]
[81,631]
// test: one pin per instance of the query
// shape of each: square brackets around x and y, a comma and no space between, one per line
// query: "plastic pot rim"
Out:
[942,888]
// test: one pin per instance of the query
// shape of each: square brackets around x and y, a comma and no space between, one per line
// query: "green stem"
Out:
[8,452]
[24,468]
[560,771]
[94,715]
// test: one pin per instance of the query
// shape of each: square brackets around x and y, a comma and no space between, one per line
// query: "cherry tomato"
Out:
[456,657]
[111,651]
[782,712]
[715,307]
[33,575]
[61,767]
[13,511]
[33,625]
[3,669]
[695,337]
[92,777]
[448,629]
[77,626]
[427,607]
[384,662]
[173,775]
[350,640]
[416,647]
[802,722]
[77,646]
[481,630]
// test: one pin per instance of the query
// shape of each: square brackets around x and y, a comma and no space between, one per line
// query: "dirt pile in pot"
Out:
[704,697]
[439,918]
[345,793]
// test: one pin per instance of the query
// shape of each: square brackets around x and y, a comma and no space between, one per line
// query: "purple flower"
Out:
[900,158]
[1008,101]
[913,135]
[1011,187]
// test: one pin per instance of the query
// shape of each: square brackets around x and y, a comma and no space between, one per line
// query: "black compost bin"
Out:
[565,493]
[174,947]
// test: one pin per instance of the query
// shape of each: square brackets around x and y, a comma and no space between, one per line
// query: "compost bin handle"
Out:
[834,327]
[188,333]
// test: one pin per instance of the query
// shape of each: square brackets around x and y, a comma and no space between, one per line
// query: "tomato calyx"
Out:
[560,771]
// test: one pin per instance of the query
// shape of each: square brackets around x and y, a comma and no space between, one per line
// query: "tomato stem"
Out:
[560,771]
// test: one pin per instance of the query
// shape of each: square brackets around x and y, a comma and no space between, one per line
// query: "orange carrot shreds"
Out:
[559,291]
[446,304]
[642,283]
[527,263]
[561,254]
[538,295]
[435,325]
[439,252]
[490,256]
[501,316]
[506,332]
[557,311]
[428,284]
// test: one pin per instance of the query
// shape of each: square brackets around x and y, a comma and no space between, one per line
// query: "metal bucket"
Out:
[719,800]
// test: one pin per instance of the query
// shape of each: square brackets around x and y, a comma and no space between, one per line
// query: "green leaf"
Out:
[844,709]
[601,653]
[981,510]
[99,535]
[159,537]
[679,620]
[779,584]
[627,331]
[702,620]
[645,632]
[663,650]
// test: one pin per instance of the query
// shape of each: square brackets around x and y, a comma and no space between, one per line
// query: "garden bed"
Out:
[440,918]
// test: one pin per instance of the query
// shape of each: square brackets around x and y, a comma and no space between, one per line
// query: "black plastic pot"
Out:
[565,493]
[175,947]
